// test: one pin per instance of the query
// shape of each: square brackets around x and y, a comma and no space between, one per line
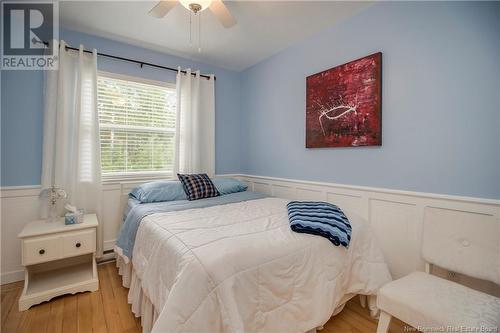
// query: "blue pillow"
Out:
[320,218]
[229,185]
[170,190]
[157,191]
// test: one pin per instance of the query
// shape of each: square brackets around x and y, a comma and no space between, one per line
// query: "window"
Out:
[137,126]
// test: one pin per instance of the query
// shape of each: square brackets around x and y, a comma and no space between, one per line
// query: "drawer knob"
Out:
[78,244]
[42,251]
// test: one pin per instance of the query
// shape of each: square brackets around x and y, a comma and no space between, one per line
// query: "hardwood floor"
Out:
[107,310]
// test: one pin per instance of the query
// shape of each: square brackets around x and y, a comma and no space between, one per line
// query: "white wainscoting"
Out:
[395,216]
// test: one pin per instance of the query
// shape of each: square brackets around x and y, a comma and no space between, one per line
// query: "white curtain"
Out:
[195,122]
[71,147]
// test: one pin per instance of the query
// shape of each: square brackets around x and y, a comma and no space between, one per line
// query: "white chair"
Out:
[430,303]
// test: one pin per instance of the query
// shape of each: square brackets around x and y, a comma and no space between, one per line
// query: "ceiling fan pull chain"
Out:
[190,28]
[199,32]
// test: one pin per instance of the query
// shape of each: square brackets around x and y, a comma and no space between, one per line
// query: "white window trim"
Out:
[118,177]
[136,79]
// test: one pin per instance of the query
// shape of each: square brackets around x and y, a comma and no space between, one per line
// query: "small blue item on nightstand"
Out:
[74,215]
[70,218]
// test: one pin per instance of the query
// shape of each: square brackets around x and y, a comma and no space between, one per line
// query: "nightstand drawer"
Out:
[41,249]
[77,243]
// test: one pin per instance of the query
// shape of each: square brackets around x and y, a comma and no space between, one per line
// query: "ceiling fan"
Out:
[217,7]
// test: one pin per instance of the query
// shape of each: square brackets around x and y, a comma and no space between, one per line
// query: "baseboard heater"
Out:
[107,256]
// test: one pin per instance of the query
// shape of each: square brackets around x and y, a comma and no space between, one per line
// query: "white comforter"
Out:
[239,268]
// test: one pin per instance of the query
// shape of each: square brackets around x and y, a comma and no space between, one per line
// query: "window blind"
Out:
[137,126]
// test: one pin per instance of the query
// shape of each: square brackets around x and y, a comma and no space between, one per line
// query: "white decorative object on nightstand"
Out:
[58,259]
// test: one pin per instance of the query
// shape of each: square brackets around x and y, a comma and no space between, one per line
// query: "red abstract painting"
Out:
[344,105]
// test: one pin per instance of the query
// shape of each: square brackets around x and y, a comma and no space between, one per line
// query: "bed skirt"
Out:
[139,300]
[143,307]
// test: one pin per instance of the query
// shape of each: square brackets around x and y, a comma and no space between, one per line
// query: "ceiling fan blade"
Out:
[222,13]
[162,8]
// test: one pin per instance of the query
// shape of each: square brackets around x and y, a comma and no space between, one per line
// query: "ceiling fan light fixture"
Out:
[195,6]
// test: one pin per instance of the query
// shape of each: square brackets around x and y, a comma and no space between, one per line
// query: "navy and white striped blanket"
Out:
[320,218]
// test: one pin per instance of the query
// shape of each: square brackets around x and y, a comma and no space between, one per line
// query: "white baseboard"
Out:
[10,277]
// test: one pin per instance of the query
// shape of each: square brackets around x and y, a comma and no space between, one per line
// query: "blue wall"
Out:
[22,107]
[441,104]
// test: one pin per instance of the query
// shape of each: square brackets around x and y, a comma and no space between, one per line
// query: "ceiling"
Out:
[263,28]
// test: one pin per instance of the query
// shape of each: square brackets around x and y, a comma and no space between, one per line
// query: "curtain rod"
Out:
[141,63]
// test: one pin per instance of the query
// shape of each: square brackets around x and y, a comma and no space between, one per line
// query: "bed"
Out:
[232,264]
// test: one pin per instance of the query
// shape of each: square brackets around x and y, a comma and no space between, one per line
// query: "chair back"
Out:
[464,243]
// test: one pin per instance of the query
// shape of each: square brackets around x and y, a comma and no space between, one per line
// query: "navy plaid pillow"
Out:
[198,186]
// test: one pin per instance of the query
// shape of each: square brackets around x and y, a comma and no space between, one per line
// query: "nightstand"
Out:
[58,259]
